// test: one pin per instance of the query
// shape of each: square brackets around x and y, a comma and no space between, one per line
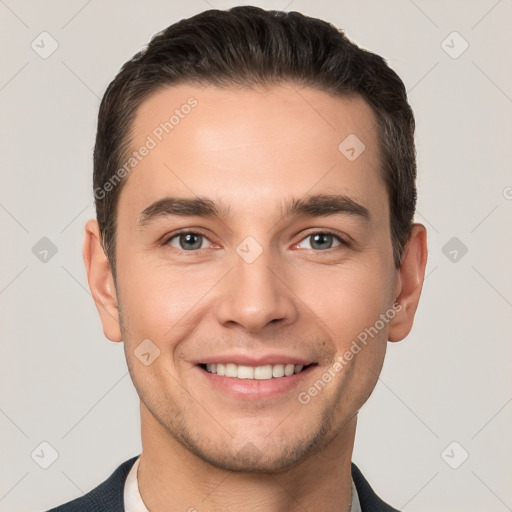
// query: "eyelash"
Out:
[343,243]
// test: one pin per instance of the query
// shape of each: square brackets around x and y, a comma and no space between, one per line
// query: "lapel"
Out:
[370,502]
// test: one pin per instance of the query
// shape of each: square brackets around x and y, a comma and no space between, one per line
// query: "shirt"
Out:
[133,500]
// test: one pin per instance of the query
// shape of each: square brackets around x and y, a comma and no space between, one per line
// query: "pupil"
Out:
[193,241]
[321,239]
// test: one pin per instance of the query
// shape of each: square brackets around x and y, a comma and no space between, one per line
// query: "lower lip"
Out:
[253,389]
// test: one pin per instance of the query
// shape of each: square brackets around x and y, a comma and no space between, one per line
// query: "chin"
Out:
[256,462]
[275,457]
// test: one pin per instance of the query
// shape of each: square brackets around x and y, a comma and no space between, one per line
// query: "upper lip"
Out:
[248,360]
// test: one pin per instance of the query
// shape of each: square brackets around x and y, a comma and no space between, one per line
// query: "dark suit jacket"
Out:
[108,496]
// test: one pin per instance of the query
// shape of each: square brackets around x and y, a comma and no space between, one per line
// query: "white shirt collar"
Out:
[133,500]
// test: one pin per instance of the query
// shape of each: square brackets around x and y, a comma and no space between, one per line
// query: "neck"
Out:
[169,473]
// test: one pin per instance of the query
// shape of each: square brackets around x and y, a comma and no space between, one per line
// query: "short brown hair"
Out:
[249,46]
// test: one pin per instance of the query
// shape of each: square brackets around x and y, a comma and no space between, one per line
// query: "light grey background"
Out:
[63,383]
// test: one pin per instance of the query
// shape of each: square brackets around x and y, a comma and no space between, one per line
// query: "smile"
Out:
[265,372]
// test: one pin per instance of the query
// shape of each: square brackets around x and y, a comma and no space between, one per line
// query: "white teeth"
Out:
[231,370]
[278,370]
[245,372]
[264,372]
[289,369]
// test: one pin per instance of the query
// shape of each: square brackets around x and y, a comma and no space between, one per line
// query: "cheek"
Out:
[158,300]
[362,327]
[349,298]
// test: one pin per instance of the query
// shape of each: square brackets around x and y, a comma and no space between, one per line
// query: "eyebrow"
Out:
[320,205]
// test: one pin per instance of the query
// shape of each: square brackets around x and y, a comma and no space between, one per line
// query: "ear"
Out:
[409,282]
[101,281]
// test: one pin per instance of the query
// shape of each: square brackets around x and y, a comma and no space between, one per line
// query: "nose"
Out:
[255,295]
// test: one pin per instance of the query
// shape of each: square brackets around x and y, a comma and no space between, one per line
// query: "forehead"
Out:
[255,146]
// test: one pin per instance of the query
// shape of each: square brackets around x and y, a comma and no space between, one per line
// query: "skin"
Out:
[252,150]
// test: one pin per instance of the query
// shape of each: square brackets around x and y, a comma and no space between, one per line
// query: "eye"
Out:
[188,241]
[322,241]
[192,241]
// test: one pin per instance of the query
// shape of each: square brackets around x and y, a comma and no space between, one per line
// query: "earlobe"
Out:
[101,281]
[410,283]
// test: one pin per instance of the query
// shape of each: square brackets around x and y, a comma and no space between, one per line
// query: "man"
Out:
[254,250]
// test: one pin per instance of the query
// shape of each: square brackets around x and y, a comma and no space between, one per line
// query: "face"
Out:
[248,243]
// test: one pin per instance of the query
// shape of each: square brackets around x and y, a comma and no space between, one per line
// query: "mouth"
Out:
[269,377]
[263,372]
